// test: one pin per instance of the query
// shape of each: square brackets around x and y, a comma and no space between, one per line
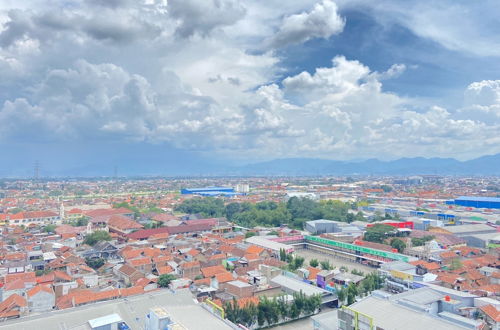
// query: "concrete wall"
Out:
[41,302]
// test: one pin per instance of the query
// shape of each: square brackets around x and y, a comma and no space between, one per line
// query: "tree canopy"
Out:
[165,279]
[97,236]
[95,263]
[398,244]
[294,212]
[378,233]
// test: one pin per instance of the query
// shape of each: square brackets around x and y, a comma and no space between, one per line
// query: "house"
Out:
[190,269]
[147,284]
[144,264]
[166,219]
[239,289]
[220,280]
[34,217]
[213,270]
[109,212]
[41,298]
[13,307]
[492,316]
[102,249]
[122,225]
[16,287]
[128,274]
[164,270]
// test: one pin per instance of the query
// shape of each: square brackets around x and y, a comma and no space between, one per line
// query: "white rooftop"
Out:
[388,315]
[105,320]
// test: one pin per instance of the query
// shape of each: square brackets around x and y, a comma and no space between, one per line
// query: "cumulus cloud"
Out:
[203,16]
[322,21]
[184,73]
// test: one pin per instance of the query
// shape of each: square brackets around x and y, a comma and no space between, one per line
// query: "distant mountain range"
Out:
[486,165]
[159,160]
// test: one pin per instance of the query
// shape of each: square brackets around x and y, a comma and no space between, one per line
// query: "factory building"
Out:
[477,202]
[329,226]
[210,191]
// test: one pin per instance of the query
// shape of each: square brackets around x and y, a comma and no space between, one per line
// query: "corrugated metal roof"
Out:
[479,199]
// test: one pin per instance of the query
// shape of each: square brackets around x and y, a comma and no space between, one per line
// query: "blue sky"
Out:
[244,81]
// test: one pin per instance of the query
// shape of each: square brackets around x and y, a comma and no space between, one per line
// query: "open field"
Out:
[334,261]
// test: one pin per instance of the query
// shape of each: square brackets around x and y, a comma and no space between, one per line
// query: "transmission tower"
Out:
[36,171]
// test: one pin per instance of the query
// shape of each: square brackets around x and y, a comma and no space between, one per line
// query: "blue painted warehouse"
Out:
[210,191]
[478,202]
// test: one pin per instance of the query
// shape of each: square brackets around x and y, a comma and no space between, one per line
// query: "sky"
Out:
[246,81]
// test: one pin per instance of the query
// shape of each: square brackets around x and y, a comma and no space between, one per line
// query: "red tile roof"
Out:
[135,290]
[146,233]
[102,212]
[9,307]
[39,288]
[164,270]
[27,277]
[211,271]
[122,223]
[224,277]
[14,285]
[190,264]
[254,249]
[312,273]
[139,262]
[492,312]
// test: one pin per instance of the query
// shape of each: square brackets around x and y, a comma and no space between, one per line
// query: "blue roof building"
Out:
[210,191]
[478,202]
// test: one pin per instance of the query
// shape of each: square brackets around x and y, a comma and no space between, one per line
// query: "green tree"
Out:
[82,221]
[325,265]
[352,292]
[357,272]
[398,244]
[97,236]
[415,241]
[283,255]
[386,188]
[378,233]
[341,294]
[232,209]
[314,263]
[207,206]
[250,234]
[95,263]
[296,263]
[50,228]
[455,264]
[165,279]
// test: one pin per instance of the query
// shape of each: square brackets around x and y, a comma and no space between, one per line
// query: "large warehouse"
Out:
[478,202]
[210,191]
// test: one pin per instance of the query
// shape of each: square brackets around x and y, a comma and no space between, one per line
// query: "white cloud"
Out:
[153,74]
[322,21]
[465,26]
[203,16]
